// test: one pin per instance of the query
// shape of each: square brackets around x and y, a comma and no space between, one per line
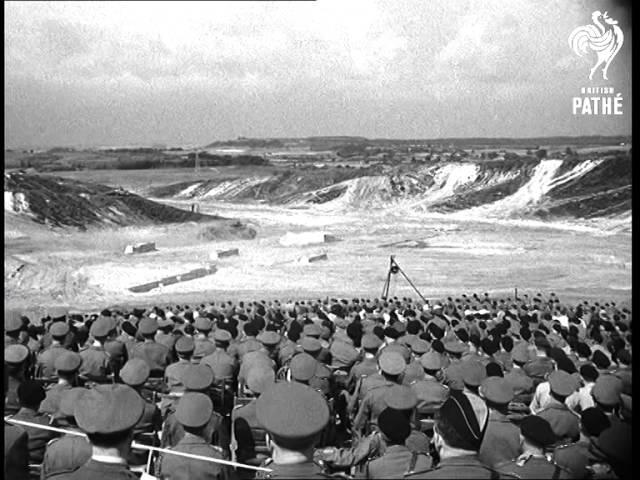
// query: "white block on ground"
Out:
[291,239]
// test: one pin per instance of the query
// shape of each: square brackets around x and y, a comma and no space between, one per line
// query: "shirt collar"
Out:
[108,459]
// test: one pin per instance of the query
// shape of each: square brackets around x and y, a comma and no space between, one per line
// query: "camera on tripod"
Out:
[394,268]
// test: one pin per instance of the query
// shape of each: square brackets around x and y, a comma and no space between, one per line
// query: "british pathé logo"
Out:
[603,39]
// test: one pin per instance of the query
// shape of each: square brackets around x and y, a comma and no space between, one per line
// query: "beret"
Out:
[16,353]
[68,362]
[600,359]
[259,379]
[400,397]
[583,350]
[135,372]
[310,344]
[197,377]
[431,360]
[420,346]
[370,341]
[68,399]
[31,392]
[391,333]
[394,425]
[615,443]
[12,320]
[312,330]
[303,367]
[538,430]
[496,390]
[222,335]
[391,362]
[455,347]
[607,390]
[148,326]
[194,409]
[494,369]
[269,338]
[101,327]
[565,364]
[59,329]
[108,409]
[473,372]
[185,344]
[594,421]
[520,353]
[291,410]
[203,324]
[562,383]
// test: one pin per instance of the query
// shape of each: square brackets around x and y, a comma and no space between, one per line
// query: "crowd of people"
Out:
[467,387]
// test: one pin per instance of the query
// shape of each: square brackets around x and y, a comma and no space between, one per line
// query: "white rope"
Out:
[140,446]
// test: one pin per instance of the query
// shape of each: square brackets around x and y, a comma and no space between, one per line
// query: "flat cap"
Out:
[259,379]
[59,329]
[135,372]
[101,327]
[370,341]
[185,344]
[197,377]
[108,409]
[31,392]
[607,390]
[431,360]
[562,383]
[615,442]
[16,353]
[537,430]
[420,346]
[68,362]
[269,338]
[194,409]
[12,320]
[473,372]
[394,425]
[68,399]
[496,390]
[391,362]
[148,326]
[400,397]
[203,324]
[303,367]
[292,411]
[222,335]
[311,344]
[312,330]
[455,347]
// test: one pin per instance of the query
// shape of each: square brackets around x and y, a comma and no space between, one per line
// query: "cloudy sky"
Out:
[93,73]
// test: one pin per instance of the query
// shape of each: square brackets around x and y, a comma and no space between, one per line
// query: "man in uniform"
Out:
[564,423]
[294,415]
[107,414]
[194,412]
[67,366]
[173,373]
[16,452]
[96,362]
[430,392]
[156,355]
[203,346]
[15,359]
[13,326]
[45,363]
[535,436]
[541,365]
[223,365]
[606,395]
[368,365]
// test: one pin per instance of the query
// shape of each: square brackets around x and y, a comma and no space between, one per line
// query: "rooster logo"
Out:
[606,40]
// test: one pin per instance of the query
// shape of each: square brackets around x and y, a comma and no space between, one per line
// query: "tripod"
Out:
[393,269]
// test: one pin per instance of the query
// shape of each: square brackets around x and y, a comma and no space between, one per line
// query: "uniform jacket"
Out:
[94,470]
[46,360]
[254,359]
[173,374]
[181,468]
[465,466]
[51,402]
[222,364]
[397,461]
[307,470]
[372,406]
[564,423]
[575,457]
[65,455]
[202,347]
[11,403]
[413,372]
[38,438]
[156,355]
[522,384]
[16,452]
[501,440]
[95,363]
[533,467]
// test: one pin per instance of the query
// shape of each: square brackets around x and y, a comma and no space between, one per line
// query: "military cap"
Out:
[615,442]
[203,324]
[185,344]
[607,390]
[343,354]
[459,413]
[31,392]
[135,372]
[312,330]
[473,373]
[562,383]
[108,409]
[148,326]
[292,411]
[259,379]
[394,425]
[166,322]
[420,346]
[57,312]
[310,344]
[68,399]
[400,397]
[16,353]
[59,329]
[222,335]
[537,430]
[455,347]
[194,409]
[594,421]
[303,367]
[269,338]
[370,341]
[68,362]
[391,362]
[520,353]
[12,321]
[399,327]
[496,390]
[197,377]
[431,360]
[101,327]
